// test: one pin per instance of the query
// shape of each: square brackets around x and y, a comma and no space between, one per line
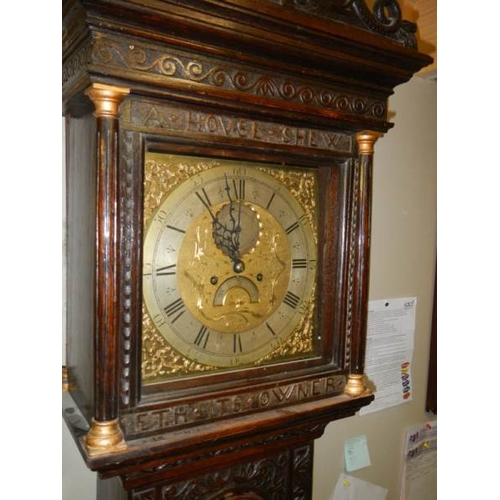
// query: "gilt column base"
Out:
[355,386]
[104,437]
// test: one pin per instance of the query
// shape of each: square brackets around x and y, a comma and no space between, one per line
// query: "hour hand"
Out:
[237,240]
[226,237]
[227,229]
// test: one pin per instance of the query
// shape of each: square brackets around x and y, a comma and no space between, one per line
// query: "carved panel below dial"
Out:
[279,476]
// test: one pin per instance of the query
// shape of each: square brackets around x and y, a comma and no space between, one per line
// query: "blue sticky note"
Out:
[356,454]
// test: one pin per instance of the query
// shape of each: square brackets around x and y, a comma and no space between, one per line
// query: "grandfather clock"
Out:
[219,164]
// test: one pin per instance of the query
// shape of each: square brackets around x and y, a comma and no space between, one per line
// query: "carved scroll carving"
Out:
[74,66]
[302,472]
[267,474]
[384,18]
[155,62]
[279,476]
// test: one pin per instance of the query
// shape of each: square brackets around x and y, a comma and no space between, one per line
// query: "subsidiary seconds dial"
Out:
[229,266]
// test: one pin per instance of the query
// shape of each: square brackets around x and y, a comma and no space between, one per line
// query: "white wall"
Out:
[402,264]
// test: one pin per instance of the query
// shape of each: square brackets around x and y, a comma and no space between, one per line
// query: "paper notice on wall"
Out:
[352,488]
[389,351]
[356,454]
[419,474]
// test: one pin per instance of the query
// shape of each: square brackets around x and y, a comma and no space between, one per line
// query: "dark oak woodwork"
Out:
[431,396]
[361,227]
[275,81]
[106,272]
[80,233]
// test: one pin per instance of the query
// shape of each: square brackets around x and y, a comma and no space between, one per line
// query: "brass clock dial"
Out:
[229,265]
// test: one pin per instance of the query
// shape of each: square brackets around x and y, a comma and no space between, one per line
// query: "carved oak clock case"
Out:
[219,164]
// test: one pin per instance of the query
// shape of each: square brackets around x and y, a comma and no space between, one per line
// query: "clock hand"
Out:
[224,240]
[228,238]
[236,226]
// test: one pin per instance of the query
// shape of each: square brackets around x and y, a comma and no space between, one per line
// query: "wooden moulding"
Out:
[181,453]
[212,52]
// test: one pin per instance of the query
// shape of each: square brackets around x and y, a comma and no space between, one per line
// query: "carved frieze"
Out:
[187,413]
[278,476]
[75,65]
[269,475]
[159,117]
[174,69]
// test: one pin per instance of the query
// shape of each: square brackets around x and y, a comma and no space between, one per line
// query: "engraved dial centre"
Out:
[234,302]
[237,228]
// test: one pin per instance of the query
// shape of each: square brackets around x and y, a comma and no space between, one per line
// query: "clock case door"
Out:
[201,398]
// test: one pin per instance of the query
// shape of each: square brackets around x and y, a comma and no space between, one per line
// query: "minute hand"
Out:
[235,230]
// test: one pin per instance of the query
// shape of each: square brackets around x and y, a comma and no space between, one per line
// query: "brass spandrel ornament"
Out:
[162,173]
[302,185]
[229,265]
[160,360]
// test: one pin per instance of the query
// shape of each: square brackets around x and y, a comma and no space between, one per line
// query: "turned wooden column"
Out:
[105,434]
[360,273]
